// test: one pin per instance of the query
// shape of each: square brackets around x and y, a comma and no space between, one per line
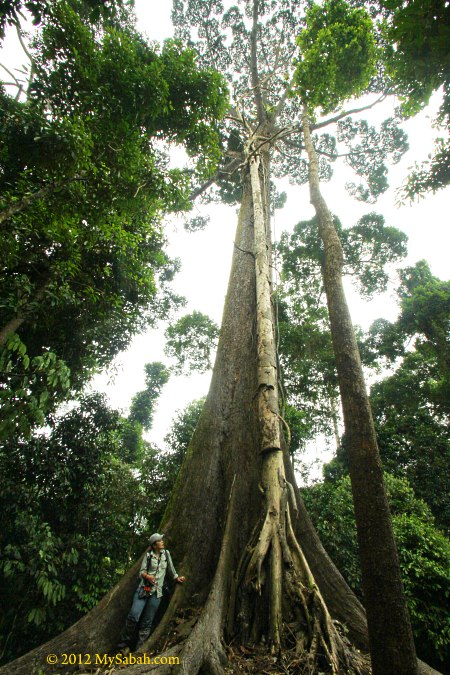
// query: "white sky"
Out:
[206,255]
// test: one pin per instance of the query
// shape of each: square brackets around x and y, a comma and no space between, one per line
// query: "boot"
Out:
[143,635]
[127,633]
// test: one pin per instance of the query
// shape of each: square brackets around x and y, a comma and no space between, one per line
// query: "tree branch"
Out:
[16,83]
[345,113]
[227,170]
[275,136]
[23,45]
[352,153]
[26,201]
[14,324]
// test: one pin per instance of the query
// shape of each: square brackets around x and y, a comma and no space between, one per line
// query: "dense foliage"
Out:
[411,406]
[305,348]
[79,502]
[191,342]
[74,520]
[85,179]
[417,58]
[423,550]
[337,55]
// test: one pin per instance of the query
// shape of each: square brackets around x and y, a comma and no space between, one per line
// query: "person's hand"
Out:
[180,579]
[150,578]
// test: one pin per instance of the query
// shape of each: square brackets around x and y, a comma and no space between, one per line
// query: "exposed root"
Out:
[272,601]
[256,660]
[299,621]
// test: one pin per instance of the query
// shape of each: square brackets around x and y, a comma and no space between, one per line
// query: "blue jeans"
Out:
[145,610]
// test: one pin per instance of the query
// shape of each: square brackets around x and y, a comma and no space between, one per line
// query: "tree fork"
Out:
[390,633]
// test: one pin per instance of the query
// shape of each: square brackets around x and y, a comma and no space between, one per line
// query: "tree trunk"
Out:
[18,320]
[334,418]
[10,327]
[235,524]
[391,640]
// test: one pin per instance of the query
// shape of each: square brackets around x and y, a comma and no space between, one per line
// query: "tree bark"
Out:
[10,327]
[391,640]
[269,417]
[228,496]
[23,203]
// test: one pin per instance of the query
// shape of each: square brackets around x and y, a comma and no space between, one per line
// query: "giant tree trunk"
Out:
[237,531]
[391,640]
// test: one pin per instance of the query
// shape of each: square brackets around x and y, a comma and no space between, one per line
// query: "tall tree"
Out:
[423,550]
[255,567]
[306,351]
[143,403]
[85,179]
[411,406]
[191,340]
[391,639]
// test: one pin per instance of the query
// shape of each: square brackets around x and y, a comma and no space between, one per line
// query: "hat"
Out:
[155,537]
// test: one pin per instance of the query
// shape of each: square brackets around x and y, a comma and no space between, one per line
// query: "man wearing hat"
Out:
[156,562]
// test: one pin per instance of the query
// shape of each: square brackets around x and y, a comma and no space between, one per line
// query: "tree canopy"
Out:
[86,179]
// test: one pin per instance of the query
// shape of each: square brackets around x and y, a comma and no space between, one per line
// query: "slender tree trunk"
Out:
[334,417]
[391,640]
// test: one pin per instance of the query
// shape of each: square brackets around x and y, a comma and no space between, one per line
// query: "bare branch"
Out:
[227,170]
[11,74]
[23,45]
[202,188]
[352,153]
[276,136]
[345,113]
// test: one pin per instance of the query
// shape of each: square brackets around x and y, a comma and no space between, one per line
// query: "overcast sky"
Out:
[206,255]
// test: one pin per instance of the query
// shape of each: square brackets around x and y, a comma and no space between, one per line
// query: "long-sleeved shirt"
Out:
[157,566]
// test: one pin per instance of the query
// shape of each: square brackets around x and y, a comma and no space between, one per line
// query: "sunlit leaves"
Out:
[28,387]
[85,178]
[337,55]
[417,36]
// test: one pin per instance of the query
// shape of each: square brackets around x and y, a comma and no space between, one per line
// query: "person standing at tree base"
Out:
[147,597]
